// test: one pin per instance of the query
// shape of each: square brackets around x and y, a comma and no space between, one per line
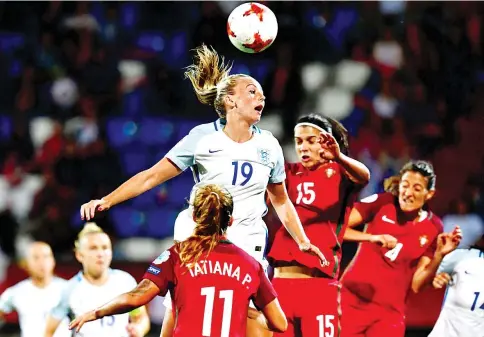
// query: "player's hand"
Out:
[441,280]
[312,249]
[386,240]
[84,318]
[88,210]
[329,146]
[133,330]
[448,242]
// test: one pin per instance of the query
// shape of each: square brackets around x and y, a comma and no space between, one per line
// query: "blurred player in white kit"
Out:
[95,285]
[35,297]
[462,313]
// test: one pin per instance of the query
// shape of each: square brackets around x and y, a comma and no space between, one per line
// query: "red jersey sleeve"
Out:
[440,229]
[369,206]
[161,271]
[265,293]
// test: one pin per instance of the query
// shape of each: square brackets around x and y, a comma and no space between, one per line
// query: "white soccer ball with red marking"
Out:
[252,27]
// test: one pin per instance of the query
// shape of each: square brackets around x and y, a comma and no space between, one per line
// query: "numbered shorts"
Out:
[251,238]
[311,305]
[366,319]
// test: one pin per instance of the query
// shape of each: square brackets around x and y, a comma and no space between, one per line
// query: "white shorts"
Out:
[251,238]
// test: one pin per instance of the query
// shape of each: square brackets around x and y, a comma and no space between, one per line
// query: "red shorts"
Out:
[311,305]
[364,319]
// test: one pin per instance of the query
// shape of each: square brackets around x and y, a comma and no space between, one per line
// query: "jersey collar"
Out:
[222,122]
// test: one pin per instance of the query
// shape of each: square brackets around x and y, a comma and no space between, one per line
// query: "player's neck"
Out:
[41,282]
[411,216]
[97,281]
[240,133]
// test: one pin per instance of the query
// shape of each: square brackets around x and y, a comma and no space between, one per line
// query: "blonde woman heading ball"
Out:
[231,152]
[94,285]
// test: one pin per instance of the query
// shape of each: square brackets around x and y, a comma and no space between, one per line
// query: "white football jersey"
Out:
[244,169]
[33,305]
[462,313]
[81,296]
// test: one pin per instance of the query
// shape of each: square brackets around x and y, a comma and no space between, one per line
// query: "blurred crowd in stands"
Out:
[93,92]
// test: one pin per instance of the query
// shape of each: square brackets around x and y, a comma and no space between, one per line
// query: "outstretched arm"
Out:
[136,185]
[179,158]
[386,240]
[289,218]
[356,171]
[427,267]
[144,292]
[146,180]
[286,212]
[356,219]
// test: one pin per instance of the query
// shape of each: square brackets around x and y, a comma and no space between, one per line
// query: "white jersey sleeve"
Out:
[6,301]
[183,153]
[462,314]
[450,260]
[62,309]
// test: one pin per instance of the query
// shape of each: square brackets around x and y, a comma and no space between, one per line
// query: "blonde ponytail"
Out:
[211,78]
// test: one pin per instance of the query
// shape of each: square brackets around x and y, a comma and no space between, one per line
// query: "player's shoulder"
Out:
[73,283]
[206,128]
[267,135]
[75,280]
[121,275]
[470,261]
[203,132]
[384,198]
[59,281]
[469,254]
[20,287]
[436,221]
[168,254]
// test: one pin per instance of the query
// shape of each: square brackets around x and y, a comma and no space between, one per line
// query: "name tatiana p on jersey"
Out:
[206,267]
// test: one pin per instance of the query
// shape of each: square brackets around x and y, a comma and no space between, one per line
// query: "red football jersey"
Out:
[212,297]
[321,198]
[381,275]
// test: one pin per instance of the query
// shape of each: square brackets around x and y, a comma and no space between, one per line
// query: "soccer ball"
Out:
[252,27]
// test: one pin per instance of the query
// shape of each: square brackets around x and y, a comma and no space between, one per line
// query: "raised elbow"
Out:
[366,176]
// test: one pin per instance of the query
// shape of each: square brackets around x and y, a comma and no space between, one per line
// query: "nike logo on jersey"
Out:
[384,218]
[213,151]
